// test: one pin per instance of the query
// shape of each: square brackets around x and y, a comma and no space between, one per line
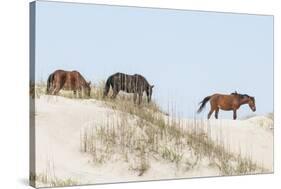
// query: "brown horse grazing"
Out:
[136,84]
[227,102]
[67,80]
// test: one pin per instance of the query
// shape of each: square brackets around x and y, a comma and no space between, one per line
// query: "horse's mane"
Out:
[140,76]
[240,95]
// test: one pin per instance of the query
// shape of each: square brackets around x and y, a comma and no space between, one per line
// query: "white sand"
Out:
[252,138]
[59,122]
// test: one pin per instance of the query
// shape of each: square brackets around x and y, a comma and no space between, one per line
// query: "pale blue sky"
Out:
[187,55]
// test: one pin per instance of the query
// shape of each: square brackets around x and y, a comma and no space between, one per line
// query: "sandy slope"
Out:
[59,122]
[251,138]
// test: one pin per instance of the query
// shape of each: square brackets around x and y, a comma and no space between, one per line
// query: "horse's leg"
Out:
[80,93]
[56,90]
[234,114]
[115,93]
[135,97]
[74,87]
[217,113]
[51,89]
[140,97]
[210,112]
[52,92]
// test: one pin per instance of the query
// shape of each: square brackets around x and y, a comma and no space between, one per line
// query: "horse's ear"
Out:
[152,86]
[89,83]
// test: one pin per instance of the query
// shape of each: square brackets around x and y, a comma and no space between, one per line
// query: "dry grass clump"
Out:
[37,90]
[49,179]
[43,179]
[116,140]
[97,90]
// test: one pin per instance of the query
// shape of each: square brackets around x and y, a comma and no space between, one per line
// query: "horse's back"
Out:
[141,79]
[220,96]
[59,75]
[121,77]
[58,72]
[117,74]
[75,73]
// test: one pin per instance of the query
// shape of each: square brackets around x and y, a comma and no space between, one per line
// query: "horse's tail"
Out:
[49,82]
[107,86]
[203,103]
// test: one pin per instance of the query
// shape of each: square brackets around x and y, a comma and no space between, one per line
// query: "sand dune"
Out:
[59,122]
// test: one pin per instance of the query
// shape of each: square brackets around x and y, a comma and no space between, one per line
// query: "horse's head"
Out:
[251,102]
[149,92]
[88,88]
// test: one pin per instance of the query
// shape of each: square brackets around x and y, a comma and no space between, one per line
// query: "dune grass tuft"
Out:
[48,178]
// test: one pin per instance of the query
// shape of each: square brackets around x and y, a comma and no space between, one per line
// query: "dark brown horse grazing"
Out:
[136,84]
[67,80]
[227,102]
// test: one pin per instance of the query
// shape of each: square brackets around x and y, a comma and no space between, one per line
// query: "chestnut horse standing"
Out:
[67,80]
[227,103]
